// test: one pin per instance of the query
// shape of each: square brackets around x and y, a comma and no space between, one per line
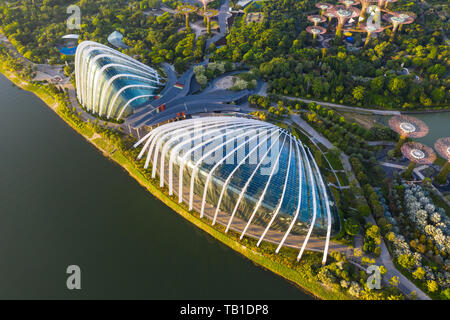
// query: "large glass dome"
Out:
[112,84]
[250,176]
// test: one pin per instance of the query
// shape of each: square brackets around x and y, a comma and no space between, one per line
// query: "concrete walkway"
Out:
[311,131]
[381,143]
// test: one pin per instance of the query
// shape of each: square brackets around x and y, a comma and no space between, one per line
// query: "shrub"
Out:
[432,286]
[352,227]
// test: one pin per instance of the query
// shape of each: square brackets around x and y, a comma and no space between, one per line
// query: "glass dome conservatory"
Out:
[112,84]
[250,176]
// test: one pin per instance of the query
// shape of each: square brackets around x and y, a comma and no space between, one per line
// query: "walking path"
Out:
[341,106]
[324,141]
[313,135]
[311,131]
[381,143]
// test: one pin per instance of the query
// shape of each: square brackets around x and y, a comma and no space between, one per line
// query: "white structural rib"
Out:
[97,73]
[231,153]
[275,213]
[122,90]
[150,138]
[225,185]
[244,189]
[196,165]
[324,192]
[189,152]
[184,133]
[175,150]
[114,78]
[299,202]
[93,77]
[311,181]
[130,101]
[158,140]
[86,71]
[261,198]
[221,126]
[91,46]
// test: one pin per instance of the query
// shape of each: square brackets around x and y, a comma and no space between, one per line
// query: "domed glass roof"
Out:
[250,176]
[110,83]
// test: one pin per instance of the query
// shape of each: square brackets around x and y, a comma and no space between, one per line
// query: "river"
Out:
[63,203]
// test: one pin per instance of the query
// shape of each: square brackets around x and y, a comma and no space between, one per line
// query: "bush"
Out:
[364,210]
[352,227]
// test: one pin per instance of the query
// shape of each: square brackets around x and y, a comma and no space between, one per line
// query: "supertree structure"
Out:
[370,29]
[205,3]
[364,6]
[349,3]
[408,16]
[323,6]
[343,14]
[186,10]
[316,19]
[330,15]
[370,13]
[205,9]
[375,11]
[315,30]
[442,147]
[208,14]
[417,153]
[397,20]
[407,127]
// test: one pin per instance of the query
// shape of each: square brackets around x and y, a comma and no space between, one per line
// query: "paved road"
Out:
[177,99]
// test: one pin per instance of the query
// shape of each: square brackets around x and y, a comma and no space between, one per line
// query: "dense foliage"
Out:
[373,76]
[35,28]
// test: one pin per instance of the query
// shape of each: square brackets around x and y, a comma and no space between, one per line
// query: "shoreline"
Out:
[312,288]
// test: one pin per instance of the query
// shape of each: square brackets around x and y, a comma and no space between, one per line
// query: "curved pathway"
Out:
[350,108]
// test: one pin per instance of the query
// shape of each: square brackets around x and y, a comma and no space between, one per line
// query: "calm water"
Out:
[438,123]
[63,203]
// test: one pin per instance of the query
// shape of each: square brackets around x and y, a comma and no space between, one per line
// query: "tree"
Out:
[358,93]
[156,4]
[396,85]
[419,274]
[406,261]
[352,227]
[432,286]
[394,281]
[445,294]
